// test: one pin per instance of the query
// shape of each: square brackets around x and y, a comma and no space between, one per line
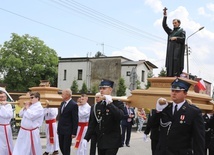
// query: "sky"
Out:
[129,28]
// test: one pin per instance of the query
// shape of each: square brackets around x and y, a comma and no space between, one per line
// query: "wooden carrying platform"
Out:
[160,87]
[46,93]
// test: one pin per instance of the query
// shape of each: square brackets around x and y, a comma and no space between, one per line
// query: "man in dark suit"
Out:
[181,124]
[154,131]
[106,121]
[94,136]
[68,121]
[126,124]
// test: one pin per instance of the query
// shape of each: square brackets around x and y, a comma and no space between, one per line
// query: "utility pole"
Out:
[187,48]
[102,44]
[103,47]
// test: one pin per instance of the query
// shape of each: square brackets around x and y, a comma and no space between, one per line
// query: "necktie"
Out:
[129,119]
[63,106]
[175,109]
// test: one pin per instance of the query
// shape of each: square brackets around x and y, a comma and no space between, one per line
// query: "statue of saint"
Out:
[175,47]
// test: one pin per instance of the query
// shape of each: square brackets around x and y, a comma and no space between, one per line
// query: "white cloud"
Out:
[210,6]
[207,11]
[130,52]
[201,11]
[156,5]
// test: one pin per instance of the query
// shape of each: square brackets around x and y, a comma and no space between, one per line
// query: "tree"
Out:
[138,84]
[121,88]
[25,60]
[162,73]
[94,89]
[74,87]
[99,54]
[84,89]
[150,75]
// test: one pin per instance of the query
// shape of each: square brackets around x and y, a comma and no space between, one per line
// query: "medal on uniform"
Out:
[182,119]
[107,111]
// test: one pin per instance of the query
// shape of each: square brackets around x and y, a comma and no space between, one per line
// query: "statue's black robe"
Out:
[175,50]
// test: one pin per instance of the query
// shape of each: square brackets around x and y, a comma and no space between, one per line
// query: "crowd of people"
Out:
[175,128]
[99,123]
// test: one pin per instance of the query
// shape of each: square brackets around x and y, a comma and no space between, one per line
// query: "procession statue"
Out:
[175,47]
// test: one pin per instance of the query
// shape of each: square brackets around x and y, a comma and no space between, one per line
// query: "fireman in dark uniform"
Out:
[154,132]
[209,134]
[181,124]
[105,121]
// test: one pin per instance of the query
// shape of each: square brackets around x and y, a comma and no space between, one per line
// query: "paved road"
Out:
[138,146]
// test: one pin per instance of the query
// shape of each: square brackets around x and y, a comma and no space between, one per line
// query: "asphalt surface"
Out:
[137,145]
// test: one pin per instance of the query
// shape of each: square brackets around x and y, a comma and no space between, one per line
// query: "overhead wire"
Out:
[200,68]
[97,16]
[58,29]
[112,20]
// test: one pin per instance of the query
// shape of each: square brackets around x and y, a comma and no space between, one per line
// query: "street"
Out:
[137,146]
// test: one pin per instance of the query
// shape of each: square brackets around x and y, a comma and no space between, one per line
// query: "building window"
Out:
[65,74]
[143,76]
[79,74]
[128,73]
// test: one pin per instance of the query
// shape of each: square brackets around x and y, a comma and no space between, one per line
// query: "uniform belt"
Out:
[51,135]
[6,134]
[31,138]
[82,125]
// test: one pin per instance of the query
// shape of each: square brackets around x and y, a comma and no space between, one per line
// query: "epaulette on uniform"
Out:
[193,106]
[168,106]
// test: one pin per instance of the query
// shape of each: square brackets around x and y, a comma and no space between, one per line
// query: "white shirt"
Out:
[179,105]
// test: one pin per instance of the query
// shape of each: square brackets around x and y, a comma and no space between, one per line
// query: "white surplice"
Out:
[51,114]
[6,138]
[83,113]
[32,119]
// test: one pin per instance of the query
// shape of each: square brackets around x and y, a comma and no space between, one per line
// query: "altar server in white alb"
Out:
[83,112]
[52,145]
[6,138]
[28,140]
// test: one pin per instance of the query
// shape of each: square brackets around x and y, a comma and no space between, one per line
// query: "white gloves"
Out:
[108,99]
[161,107]
[83,145]
[145,138]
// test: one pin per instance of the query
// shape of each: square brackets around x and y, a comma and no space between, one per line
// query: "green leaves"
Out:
[121,88]
[26,60]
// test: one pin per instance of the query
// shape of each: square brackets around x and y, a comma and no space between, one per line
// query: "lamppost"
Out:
[187,48]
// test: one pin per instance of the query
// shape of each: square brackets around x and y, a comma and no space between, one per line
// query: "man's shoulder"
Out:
[117,102]
[192,107]
[72,103]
